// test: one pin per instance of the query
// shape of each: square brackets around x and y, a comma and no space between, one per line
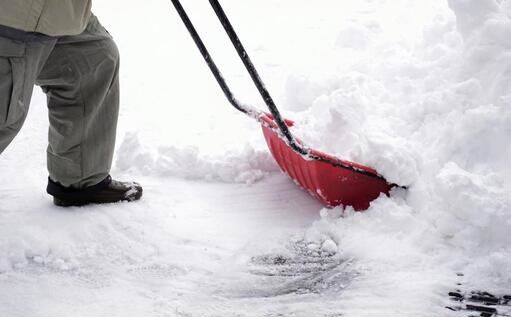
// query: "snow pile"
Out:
[434,116]
[372,100]
[243,166]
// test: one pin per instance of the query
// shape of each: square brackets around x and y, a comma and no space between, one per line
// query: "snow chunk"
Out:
[329,246]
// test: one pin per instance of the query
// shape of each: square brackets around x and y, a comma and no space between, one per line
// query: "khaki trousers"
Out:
[80,76]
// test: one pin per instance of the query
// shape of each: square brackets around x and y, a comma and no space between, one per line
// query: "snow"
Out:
[245,165]
[420,90]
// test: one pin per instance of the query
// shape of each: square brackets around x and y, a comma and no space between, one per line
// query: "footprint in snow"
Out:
[299,270]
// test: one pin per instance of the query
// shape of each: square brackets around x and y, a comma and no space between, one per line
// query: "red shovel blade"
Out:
[332,185]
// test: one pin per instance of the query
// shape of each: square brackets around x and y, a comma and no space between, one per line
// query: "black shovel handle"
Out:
[209,60]
[249,66]
[256,78]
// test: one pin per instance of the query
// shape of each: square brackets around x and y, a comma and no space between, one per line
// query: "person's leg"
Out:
[22,56]
[81,80]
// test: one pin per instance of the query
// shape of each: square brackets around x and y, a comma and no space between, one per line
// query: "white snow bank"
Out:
[432,113]
[235,166]
[389,103]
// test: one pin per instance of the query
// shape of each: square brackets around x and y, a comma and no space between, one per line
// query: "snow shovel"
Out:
[331,180]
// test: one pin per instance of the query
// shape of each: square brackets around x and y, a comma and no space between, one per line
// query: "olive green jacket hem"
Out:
[50,17]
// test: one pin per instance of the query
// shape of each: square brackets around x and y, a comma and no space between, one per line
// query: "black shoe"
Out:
[107,191]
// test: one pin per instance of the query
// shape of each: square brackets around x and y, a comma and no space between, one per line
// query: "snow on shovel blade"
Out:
[332,185]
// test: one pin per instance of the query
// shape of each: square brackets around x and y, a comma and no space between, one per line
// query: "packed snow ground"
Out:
[421,90]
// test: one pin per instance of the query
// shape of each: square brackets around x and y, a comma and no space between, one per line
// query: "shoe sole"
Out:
[66,203]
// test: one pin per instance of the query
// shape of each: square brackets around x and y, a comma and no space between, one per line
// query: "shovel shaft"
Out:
[256,78]
[249,66]
[210,62]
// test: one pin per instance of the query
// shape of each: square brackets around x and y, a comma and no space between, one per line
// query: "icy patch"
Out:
[245,166]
